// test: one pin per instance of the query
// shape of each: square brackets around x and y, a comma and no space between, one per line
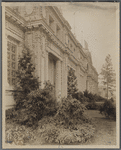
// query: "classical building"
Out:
[48,35]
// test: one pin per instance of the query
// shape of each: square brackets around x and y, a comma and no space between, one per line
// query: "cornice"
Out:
[72,37]
[57,12]
[44,26]
[60,16]
[77,62]
[16,18]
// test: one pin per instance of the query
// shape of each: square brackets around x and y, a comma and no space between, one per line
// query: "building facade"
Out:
[48,35]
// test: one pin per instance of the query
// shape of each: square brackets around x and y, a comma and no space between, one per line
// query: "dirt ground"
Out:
[105,133]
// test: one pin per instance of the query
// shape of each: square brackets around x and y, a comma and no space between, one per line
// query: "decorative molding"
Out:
[12,39]
[15,28]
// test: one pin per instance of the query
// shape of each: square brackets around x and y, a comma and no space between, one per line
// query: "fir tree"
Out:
[72,83]
[25,80]
[108,75]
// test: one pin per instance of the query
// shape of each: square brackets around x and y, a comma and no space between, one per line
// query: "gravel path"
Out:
[105,129]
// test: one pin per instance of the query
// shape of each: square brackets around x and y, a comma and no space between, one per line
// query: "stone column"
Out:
[46,65]
[42,71]
[64,75]
[58,80]
[78,77]
[43,55]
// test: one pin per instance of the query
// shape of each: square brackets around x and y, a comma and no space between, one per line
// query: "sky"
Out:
[96,23]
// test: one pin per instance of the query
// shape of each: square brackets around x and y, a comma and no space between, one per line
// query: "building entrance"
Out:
[52,69]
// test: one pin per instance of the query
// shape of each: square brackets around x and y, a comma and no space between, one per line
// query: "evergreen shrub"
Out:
[38,103]
[92,106]
[71,112]
[72,83]
[80,96]
[25,79]
[108,109]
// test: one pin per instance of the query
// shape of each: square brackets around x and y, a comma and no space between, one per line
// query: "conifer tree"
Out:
[72,83]
[108,75]
[25,79]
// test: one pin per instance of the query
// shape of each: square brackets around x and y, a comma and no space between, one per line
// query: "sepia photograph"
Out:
[60,75]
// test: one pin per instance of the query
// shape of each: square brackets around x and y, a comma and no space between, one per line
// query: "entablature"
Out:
[15,18]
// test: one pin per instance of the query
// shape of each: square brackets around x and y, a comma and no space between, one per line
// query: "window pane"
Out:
[8,46]
[13,73]
[8,64]
[9,72]
[13,81]
[8,55]
[13,65]
[13,49]
[13,57]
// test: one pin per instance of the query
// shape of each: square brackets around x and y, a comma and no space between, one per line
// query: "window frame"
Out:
[11,69]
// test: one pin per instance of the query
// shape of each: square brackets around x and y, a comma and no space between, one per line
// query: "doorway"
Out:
[52,70]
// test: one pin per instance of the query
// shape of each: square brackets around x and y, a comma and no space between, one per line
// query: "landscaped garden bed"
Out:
[47,133]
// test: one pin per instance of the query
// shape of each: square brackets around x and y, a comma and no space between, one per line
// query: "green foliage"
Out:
[47,133]
[91,97]
[99,98]
[108,75]
[18,134]
[38,103]
[72,83]
[25,79]
[51,134]
[80,96]
[92,106]
[71,112]
[108,109]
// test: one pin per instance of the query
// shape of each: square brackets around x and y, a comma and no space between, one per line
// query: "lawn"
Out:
[105,129]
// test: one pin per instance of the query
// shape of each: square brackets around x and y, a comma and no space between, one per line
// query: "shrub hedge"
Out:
[71,112]
[38,103]
[108,109]
[80,96]
[93,97]
[92,106]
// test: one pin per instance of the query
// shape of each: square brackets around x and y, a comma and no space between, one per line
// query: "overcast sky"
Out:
[95,23]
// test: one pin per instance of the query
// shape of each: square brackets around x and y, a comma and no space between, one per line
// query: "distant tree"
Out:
[72,83]
[108,76]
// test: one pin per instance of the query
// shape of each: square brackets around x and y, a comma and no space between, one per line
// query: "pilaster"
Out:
[46,65]
[64,75]
[58,80]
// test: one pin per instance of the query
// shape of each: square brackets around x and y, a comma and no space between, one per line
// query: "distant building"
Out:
[102,91]
[45,32]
